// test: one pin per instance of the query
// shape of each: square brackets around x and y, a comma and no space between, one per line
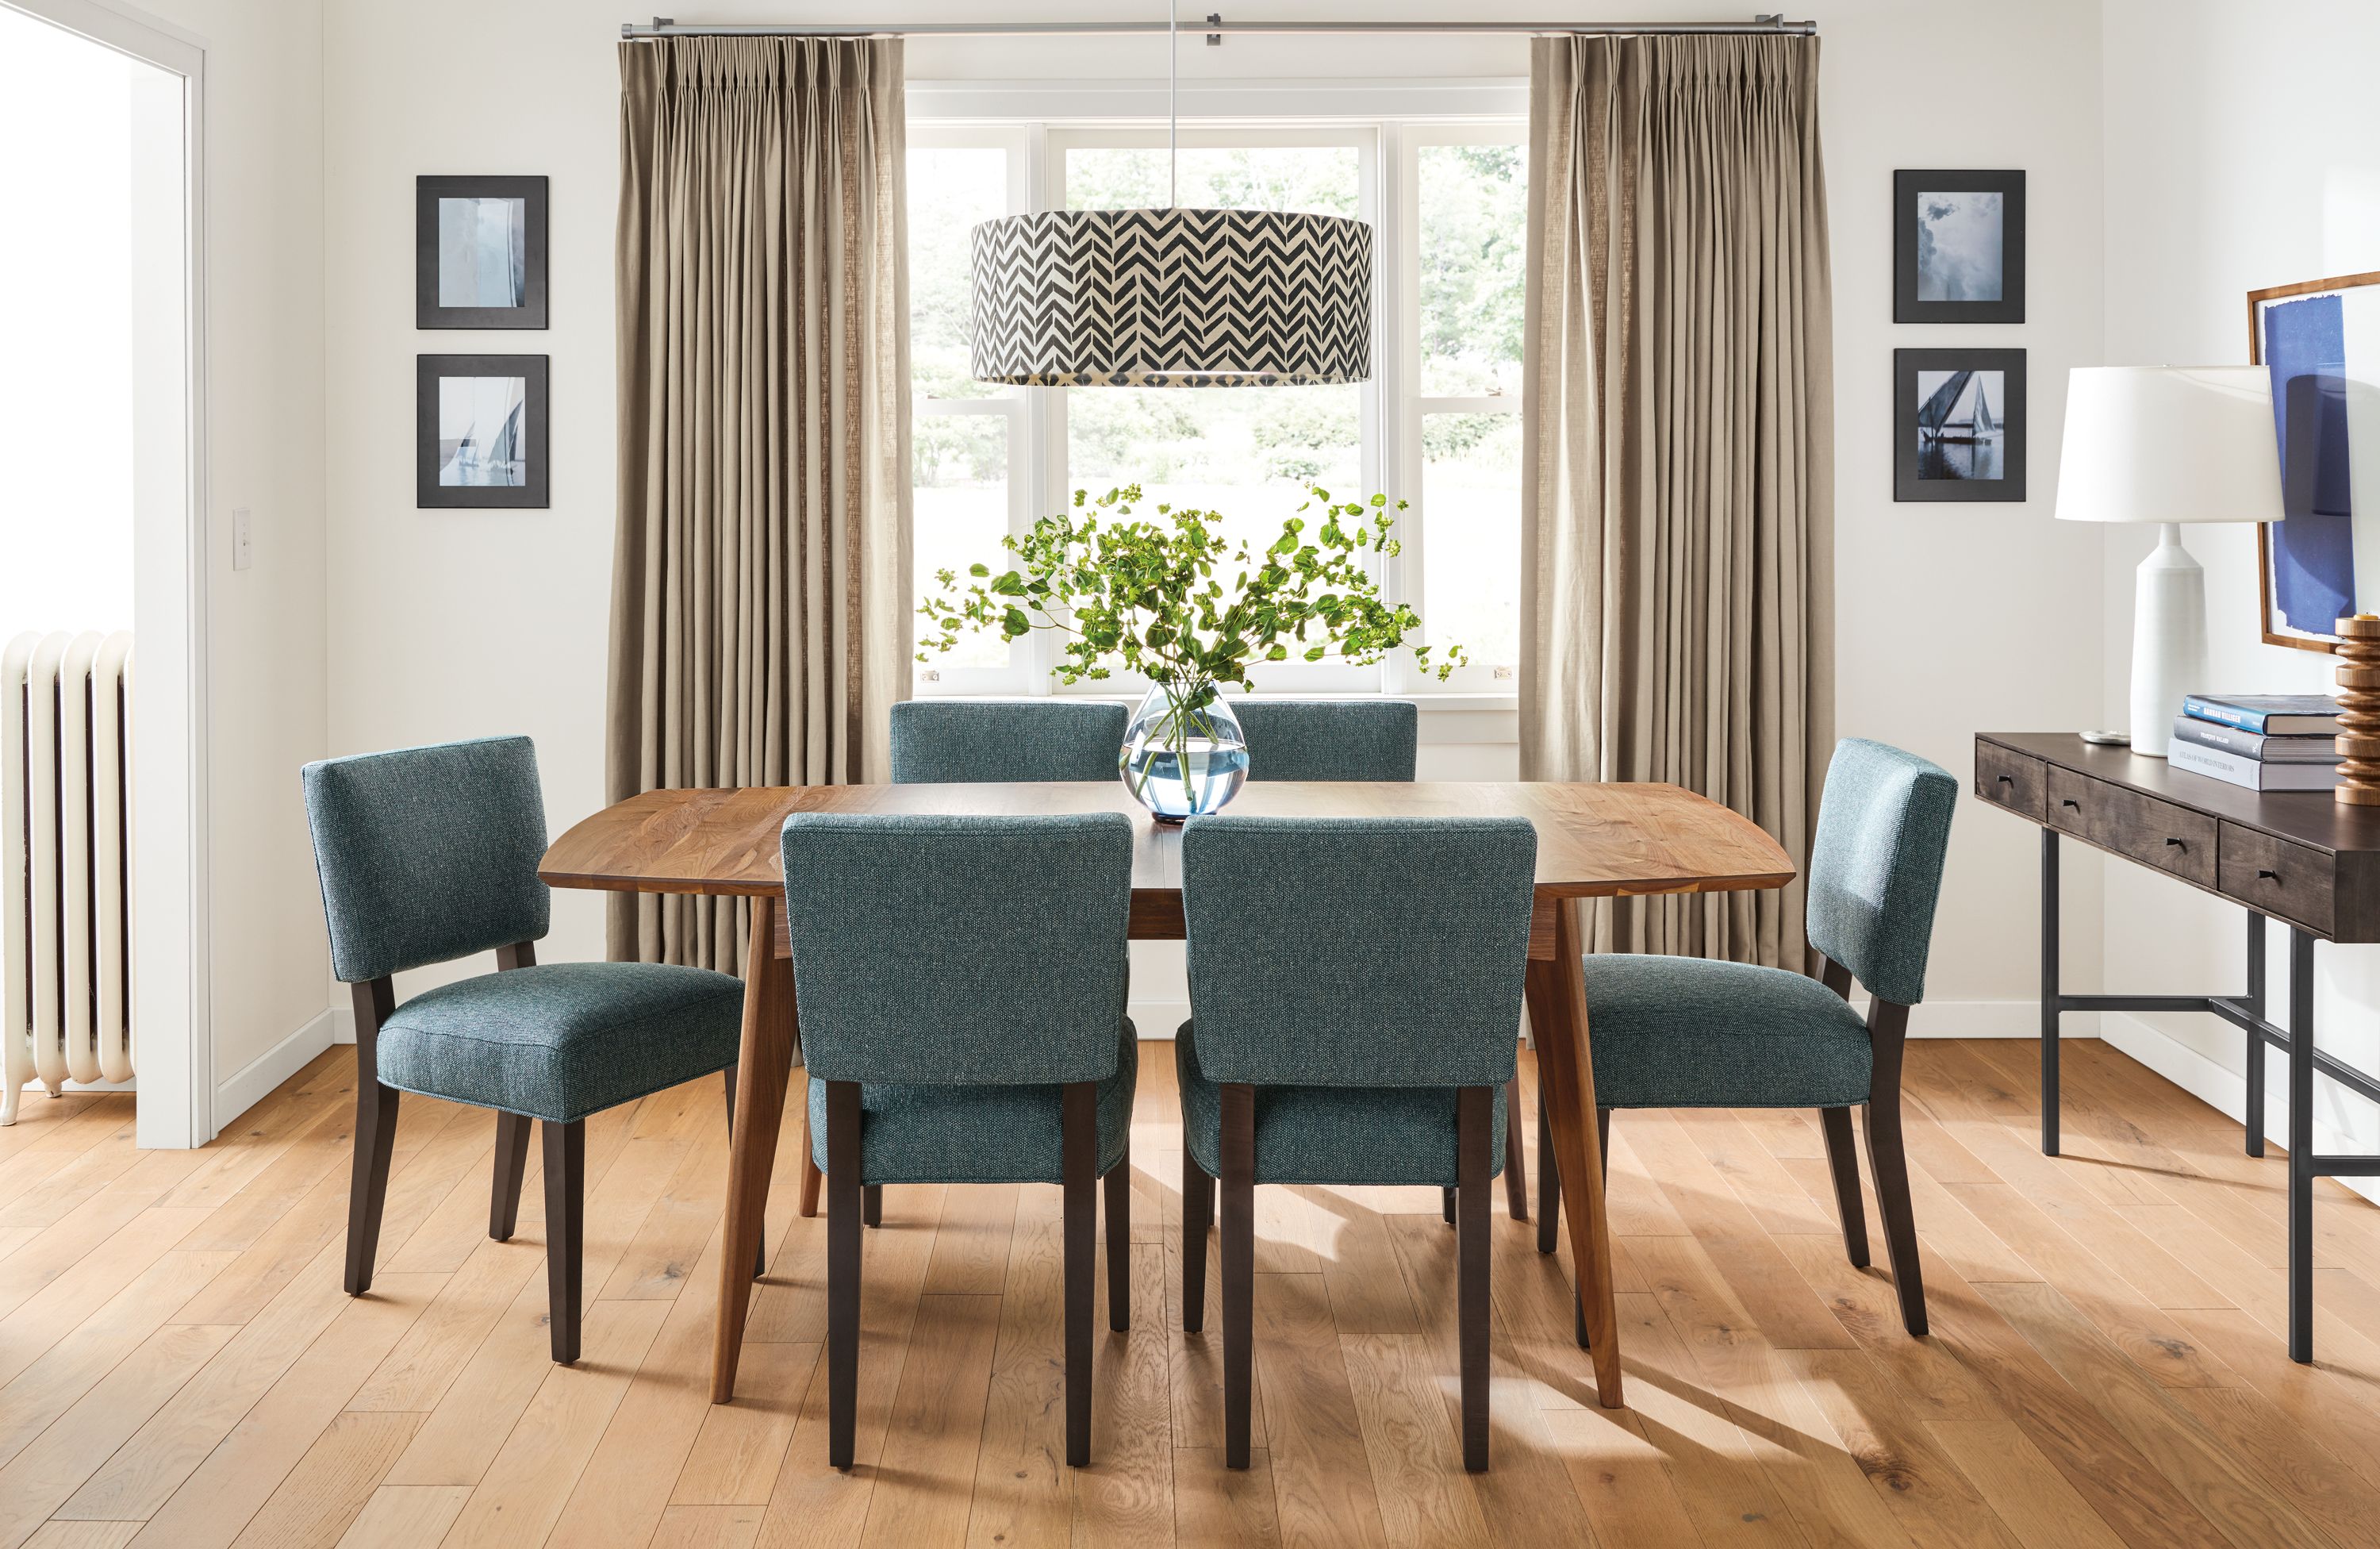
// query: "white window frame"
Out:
[1387,142]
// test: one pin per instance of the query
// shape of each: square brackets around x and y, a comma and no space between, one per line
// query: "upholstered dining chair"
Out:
[961,990]
[430,854]
[960,741]
[1357,739]
[1687,1032]
[1350,1023]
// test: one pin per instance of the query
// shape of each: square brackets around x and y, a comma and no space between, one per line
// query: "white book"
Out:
[2221,763]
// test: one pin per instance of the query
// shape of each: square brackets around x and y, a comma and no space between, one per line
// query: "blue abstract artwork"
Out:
[2312,583]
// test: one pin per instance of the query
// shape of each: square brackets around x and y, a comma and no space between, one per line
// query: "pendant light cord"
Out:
[1173,104]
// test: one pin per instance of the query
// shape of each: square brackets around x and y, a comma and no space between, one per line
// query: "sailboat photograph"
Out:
[1959,424]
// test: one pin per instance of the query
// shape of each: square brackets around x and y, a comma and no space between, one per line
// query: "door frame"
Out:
[173,1031]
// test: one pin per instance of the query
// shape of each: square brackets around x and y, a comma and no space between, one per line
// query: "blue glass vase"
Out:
[1183,754]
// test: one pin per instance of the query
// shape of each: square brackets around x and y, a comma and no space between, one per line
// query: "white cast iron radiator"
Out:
[65,861]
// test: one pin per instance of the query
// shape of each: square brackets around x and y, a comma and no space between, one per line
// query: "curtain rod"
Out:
[666,27]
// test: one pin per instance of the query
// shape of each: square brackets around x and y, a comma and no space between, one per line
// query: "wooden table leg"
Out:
[1557,991]
[762,1068]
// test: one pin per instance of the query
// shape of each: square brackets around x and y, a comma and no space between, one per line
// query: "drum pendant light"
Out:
[1171,298]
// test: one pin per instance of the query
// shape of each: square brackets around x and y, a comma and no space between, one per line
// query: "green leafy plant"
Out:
[1176,600]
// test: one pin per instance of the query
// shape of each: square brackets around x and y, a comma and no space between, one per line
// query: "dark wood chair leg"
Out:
[375,1136]
[1842,1161]
[1239,1187]
[871,1204]
[761,1249]
[1079,1166]
[1549,1180]
[1516,1163]
[1888,1166]
[1197,1214]
[512,1166]
[1119,1203]
[842,1194]
[565,1232]
[1446,1205]
[1475,1121]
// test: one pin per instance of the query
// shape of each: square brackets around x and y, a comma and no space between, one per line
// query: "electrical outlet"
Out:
[241,552]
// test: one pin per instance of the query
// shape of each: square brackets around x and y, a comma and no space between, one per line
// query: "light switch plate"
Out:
[241,552]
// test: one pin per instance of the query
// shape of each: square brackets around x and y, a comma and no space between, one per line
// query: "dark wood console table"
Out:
[2297,857]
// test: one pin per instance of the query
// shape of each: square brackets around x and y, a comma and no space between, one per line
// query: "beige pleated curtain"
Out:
[1678,480]
[760,622]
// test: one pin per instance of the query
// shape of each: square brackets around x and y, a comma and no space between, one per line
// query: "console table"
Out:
[2297,857]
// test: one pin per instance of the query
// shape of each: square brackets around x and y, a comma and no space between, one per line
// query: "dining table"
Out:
[1613,839]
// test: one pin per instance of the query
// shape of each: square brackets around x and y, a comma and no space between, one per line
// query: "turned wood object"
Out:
[2358,711]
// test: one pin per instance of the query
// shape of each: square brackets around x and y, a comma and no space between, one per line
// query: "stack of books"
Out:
[2262,741]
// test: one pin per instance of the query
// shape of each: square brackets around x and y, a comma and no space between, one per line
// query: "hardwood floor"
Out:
[178,1365]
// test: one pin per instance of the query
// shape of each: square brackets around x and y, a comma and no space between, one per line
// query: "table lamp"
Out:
[2168,445]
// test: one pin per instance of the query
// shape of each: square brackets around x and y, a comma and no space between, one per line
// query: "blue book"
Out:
[2271,715]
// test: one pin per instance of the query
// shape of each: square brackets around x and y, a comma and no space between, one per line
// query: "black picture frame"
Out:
[1909,188]
[427,312]
[1911,478]
[533,492]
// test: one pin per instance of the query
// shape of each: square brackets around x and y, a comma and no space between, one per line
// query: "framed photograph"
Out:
[2319,340]
[478,252]
[479,424]
[1958,424]
[1958,246]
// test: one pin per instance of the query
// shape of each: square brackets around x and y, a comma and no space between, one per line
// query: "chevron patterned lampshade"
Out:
[1172,298]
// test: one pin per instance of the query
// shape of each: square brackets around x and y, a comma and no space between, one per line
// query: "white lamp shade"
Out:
[2169,444]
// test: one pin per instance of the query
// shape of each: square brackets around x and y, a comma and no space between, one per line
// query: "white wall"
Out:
[2241,139]
[447,624]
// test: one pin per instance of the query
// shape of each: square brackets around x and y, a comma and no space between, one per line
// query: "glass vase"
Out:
[1183,754]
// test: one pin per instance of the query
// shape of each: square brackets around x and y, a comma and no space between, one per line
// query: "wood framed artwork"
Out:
[1958,246]
[2319,341]
[1957,422]
[479,432]
[478,252]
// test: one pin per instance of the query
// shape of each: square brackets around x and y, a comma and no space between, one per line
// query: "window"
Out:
[1437,425]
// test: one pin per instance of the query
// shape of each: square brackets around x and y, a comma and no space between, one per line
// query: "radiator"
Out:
[65,861]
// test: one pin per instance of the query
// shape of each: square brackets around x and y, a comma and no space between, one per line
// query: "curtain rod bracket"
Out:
[1214,18]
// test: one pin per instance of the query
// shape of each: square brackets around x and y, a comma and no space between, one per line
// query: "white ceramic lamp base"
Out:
[2169,640]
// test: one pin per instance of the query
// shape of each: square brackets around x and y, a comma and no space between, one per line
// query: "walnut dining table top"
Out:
[1594,840]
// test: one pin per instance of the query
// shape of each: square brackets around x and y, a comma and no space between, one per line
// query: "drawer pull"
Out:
[2008,779]
[2176,844]
[2069,802]
[2262,875]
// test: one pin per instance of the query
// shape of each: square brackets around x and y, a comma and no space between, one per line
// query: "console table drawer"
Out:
[2273,876]
[2140,827]
[2010,780]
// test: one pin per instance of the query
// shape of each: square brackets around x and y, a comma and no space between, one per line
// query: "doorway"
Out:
[101,538]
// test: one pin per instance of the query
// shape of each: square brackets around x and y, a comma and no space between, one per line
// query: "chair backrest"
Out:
[964,741]
[1328,739]
[1373,952]
[428,853]
[939,950]
[1876,864]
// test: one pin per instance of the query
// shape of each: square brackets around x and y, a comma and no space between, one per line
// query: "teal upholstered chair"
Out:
[959,741]
[430,854]
[1348,1027]
[961,989]
[1327,740]
[1685,1033]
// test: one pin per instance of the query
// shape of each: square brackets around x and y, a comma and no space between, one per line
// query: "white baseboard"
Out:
[1158,1019]
[2221,1088]
[250,1085]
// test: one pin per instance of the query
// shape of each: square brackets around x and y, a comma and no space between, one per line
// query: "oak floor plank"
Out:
[528,1481]
[1322,1479]
[1125,1497]
[58,1307]
[1022,1494]
[935,1425]
[972,1240]
[322,1495]
[740,1446]
[2027,1492]
[1935,1501]
[1216,1508]
[405,1516]
[704,1527]
[1416,1455]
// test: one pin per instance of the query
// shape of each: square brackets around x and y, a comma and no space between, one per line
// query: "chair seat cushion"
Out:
[974,1132]
[1688,1033]
[561,1040]
[1335,1135]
